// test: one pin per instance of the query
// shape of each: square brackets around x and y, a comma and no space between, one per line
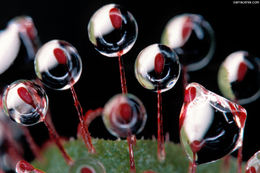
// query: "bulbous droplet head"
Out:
[87,165]
[58,65]
[157,67]
[25,25]
[124,115]
[210,125]
[192,37]
[239,77]
[112,30]
[253,164]
[24,167]
[25,102]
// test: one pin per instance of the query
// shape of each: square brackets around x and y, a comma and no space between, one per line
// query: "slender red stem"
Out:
[14,150]
[92,114]
[89,116]
[239,160]
[225,164]
[34,147]
[54,136]
[86,135]
[131,142]
[122,74]
[193,166]
[160,144]
[184,77]
[239,154]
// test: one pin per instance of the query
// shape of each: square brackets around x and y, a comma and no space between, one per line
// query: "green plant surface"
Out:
[115,158]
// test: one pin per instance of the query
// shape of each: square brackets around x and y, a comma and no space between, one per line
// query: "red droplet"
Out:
[251,170]
[196,146]
[159,63]
[187,27]
[115,18]
[125,111]
[242,69]
[25,96]
[189,94]
[60,56]
[25,166]
[86,170]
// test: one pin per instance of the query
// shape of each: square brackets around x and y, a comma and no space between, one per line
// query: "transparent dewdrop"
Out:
[253,164]
[112,29]
[19,29]
[24,167]
[210,125]
[124,115]
[25,102]
[58,65]
[239,77]
[87,165]
[193,39]
[157,67]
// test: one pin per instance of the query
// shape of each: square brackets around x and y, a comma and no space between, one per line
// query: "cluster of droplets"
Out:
[113,31]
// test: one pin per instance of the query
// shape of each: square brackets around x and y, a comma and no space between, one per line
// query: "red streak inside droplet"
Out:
[125,112]
[60,56]
[25,96]
[239,113]
[190,94]
[115,18]
[196,146]
[28,27]
[242,69]
[251,170]
[183,115]
[30,30]
[86,170]
[159,63]
[25,166]
[187,27]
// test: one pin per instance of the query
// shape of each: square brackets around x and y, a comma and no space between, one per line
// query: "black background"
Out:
[235,27]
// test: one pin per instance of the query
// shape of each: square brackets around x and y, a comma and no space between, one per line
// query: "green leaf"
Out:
[115,157]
